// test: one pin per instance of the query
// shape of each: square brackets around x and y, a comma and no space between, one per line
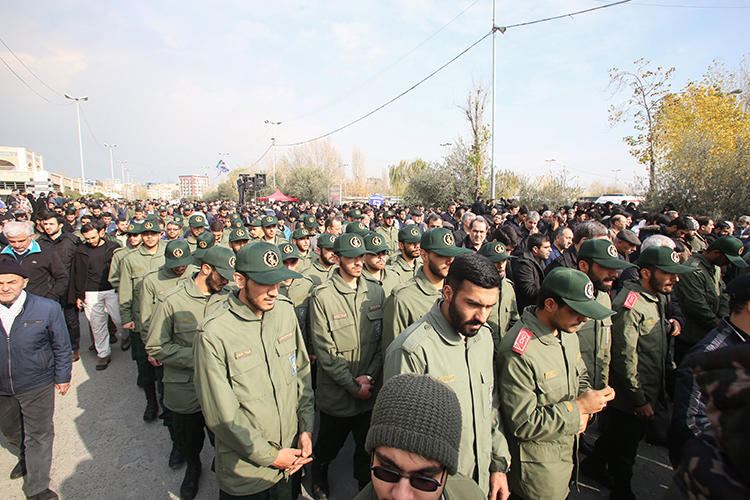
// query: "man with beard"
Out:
[271,231]
[409,301]
[598,259]
[251,350]
[301,239]
[197,224]
[408,261]
[453,344]
[505,312]
[322,268]
[376,259]
[298,290]
[389,232]
[546,399]
[169,343]
[346,324]
[640,332]
[238,238]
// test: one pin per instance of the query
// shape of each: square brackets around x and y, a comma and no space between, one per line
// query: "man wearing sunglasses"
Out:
[413,440]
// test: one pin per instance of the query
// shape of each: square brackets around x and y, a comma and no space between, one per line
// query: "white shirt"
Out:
[8,314]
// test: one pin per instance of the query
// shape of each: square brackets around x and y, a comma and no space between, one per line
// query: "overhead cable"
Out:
[29,69]
[27,84]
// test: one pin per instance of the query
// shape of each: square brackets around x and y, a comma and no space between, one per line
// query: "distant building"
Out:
[24,169]
[193,185]
[163,191]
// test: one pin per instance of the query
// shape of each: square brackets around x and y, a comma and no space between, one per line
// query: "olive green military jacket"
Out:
[390,237]
[388,279]
[457,487]
[114,267]
[404,271]
[408,302]
[306,259]
[432,346]
[192,242]
[595,341]
[317,273]
[153,289]
[540,374]
[134,267]
[639,347]
[504,313]
[171,336]
[346,326]
[252,378]
[702,299]
[278,239]
[299,291]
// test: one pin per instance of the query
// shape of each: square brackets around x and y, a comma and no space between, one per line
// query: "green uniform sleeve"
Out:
[125,293]
[391,326]
[623,366]
[114,270]
[500,460]
[692,302]
[525,419]
[336,367]
[160,343]
[306,396]
[584,377]
[147,306]
[398,361]
[221,409]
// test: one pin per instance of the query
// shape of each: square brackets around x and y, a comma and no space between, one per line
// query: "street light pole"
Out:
[80,142]
[122,177]
[111,163]
[492,145]
[273,145]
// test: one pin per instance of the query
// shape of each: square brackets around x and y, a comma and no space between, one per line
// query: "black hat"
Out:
[9,265]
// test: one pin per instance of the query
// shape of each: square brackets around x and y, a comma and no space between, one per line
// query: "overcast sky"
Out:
[175,83]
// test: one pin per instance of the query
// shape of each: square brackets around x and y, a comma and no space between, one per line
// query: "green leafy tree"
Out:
[400,175]
[473,110]
[441,182]
[306,183]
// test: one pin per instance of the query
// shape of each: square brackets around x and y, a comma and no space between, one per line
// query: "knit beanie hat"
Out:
[418,414]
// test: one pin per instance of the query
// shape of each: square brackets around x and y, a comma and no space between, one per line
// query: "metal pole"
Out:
[80,148]
[111,163]
[492,146]
[273,145]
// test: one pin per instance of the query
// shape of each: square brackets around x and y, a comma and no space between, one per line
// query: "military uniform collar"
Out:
[167,273]
[240,309]
[317,265]
[401,261]
[192,289]
[535,326]
[424,283]
[344,288]
[159,249]
[706,263]
[644,292]
[441,325]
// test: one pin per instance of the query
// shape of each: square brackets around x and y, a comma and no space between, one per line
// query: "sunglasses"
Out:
[420,483]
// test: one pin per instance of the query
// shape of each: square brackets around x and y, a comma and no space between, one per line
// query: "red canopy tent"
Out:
[277,196]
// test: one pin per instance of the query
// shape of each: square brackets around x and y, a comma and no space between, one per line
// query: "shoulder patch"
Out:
[414,335]
[522,341]
[631,299]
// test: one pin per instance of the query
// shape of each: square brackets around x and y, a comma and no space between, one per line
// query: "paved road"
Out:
[104,451]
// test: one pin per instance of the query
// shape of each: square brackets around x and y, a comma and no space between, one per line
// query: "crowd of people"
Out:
[472,351]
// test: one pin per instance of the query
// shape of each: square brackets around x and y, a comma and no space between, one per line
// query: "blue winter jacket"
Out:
[37,351]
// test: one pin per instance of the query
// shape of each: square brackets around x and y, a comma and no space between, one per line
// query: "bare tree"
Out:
[476,104]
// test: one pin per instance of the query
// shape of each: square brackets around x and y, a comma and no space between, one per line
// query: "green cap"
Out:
[288,251]
[389,213]
[495,251]
[205,241]
[309,221]
[663,258]
[349,245]
[732,249]
[237,223]
[604,253]
[300,233]
[222,259]
[239,234]
[326,240]
[188,206]
[197,220]
[409,234]
[179,219]
[150,226]
[134,228]
[261,262]
[256,221]
[354,214]
[269,220]
[357,228]
[577,291]
[162,208]
[441,242]
[177,254]
[374,244]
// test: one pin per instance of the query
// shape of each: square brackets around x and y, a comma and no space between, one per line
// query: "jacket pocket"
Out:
[376,320]
[343,334]
[286,351]
[246,372]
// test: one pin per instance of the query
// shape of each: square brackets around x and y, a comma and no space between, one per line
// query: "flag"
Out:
[221,167]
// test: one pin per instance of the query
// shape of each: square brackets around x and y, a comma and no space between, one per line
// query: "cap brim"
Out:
[351,254]
[225,272]
[675,268]
[183,261]
[614,263]
[589,308]
[499,258]
[736,260]
[273,277]
[378,250]
[449,251]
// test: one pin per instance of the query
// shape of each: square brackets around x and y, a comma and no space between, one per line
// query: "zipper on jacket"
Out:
[10,372]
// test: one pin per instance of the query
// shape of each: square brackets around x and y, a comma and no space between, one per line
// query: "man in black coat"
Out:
[528,271]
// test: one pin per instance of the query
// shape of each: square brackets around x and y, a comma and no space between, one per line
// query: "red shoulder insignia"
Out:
[522,341]
[631,299]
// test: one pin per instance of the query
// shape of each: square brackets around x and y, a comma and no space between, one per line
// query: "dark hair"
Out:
[738,302]
[507,236]
[703,221]
[88,227]
[546,294]
[216,226]
[434,217]
[536,240]
[51,215]
[475,268]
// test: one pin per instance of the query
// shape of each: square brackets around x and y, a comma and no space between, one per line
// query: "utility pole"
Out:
[492,144]
[80,142]
[111,164]
[122,177]
[273,145]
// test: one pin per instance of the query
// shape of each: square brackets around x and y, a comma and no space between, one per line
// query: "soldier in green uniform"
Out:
[546,400]
[408,261]
[203,242]
[197,224]
[346,318]
[301,239]
[640,332]
[358,227]
[375,262]
[238,238]
[177,258]
[271,231]
[298,290]
[310,223]
[389,232]
[504,313]
[134,241]
[410,300]
[256,228]
[598,259]
[170,342]
[701,293]
[149,256]
[322,268]
[252,378]
[453,344]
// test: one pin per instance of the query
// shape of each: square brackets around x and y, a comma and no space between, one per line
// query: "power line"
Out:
[27,84]
[677,6]
[29,69]
[502,29]
[263,155]
[91,131]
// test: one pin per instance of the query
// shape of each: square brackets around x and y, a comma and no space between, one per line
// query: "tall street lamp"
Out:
[111,163]
[122,177]
[80,142]
[273,145]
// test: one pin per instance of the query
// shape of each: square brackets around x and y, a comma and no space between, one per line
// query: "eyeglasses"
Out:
[420,483]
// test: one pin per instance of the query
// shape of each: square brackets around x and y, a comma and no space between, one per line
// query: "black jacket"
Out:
[47,275]
[64,246]
[528,273]
[77,287]
[569,258]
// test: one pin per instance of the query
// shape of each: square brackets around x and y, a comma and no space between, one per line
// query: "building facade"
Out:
[193,185]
